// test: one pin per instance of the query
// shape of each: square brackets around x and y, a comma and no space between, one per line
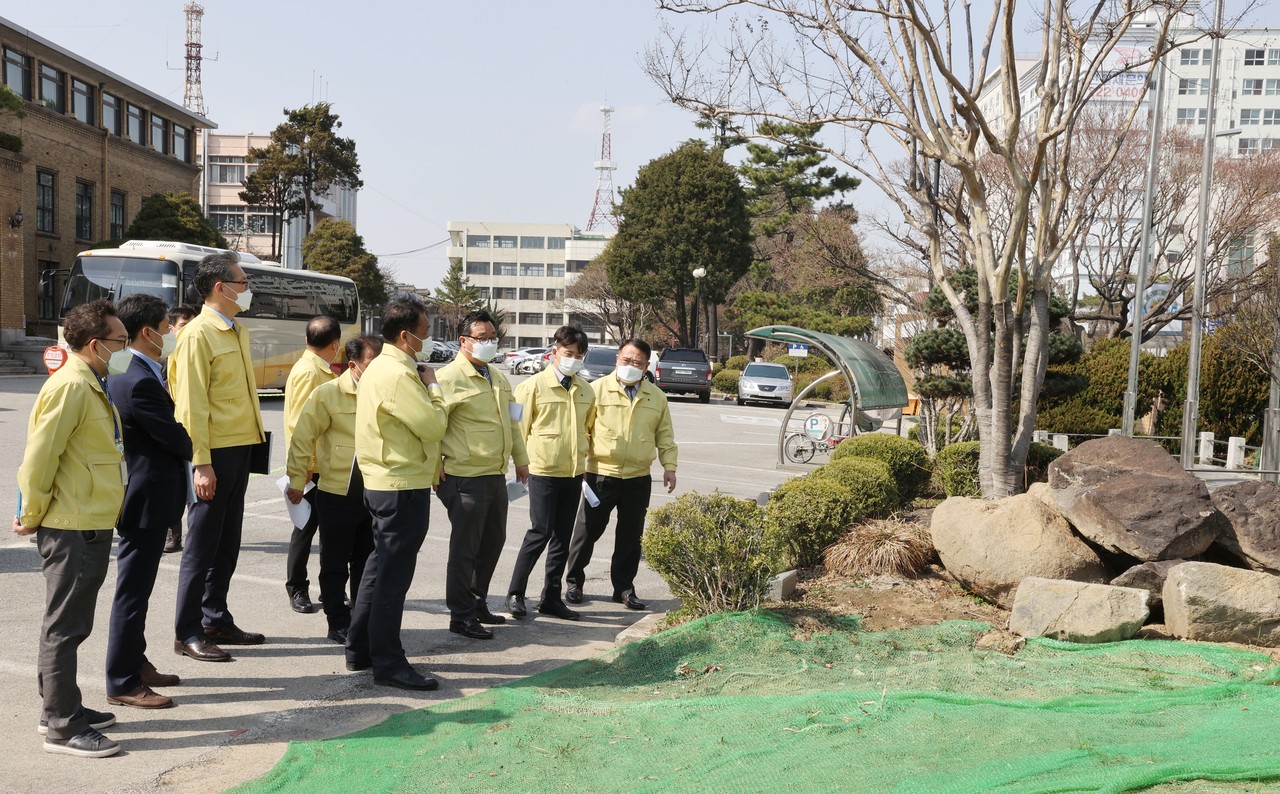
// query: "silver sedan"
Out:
[761,382]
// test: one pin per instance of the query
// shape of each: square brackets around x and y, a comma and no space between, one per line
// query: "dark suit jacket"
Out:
[156,448]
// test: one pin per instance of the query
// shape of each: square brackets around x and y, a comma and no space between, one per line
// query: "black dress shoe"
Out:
[630,601]
[407,679]
[172,541]
[358,665]
[301,602]
[557,609]
[200,649]
[232,635]
[573,594]
[470,628]
[515,605]
[338,635]
[485,616]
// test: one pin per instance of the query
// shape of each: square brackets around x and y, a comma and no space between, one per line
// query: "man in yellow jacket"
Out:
[215,398]
[324,440]
[557,408]
[632,426]
[479,441]
[400,419]
[70,489]
[324,343]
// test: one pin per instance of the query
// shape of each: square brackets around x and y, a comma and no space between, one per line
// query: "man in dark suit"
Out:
[157,451]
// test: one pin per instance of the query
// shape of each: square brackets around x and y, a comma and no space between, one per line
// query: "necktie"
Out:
[631,392]
[566,382]
[484,371]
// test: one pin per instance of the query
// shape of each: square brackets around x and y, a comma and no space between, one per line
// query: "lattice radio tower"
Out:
[193,96]
[602,210]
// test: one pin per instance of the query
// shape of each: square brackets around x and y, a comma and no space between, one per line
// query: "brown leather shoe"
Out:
[232,635]
[153,677]
[173,540]
[201,650]
[141,698]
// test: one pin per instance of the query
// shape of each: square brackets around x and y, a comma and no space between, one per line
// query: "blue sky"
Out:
[460,111]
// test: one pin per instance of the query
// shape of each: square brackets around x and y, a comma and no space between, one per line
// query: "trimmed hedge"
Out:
[737,362]
[712,551]
[957,466]
[870,482]
[804,515]
[908,462]
[726,380]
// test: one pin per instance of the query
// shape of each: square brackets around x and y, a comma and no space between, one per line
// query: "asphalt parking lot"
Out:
[232,721]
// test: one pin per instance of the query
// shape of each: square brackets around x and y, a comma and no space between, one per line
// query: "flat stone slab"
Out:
[1083,612]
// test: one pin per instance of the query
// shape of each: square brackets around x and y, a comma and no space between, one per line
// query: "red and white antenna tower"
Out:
[602,210]
[193,96]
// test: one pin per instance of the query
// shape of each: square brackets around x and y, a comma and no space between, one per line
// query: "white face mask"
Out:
[167,343]
[569,366]
[242,299]
[425,353]
[484,351]
[629,374]
[117,362]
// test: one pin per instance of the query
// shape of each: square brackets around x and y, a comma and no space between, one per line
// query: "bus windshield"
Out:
[117,277]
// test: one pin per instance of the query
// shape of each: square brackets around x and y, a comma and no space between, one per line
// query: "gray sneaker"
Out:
[97,720]
[86,744]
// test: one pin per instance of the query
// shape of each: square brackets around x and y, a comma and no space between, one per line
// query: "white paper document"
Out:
[515,490]
[589,494]
[516,411]
[300,513]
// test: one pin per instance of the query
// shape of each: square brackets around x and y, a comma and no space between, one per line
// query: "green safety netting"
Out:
[871,374]
[737,703]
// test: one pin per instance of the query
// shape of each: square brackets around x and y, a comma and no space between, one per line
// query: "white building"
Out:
[524,268]
[249,228]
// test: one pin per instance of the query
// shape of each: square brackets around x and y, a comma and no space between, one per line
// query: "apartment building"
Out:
[524,268]
[75,168]
[252,228]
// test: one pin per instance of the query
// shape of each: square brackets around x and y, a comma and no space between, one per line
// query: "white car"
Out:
[763,382]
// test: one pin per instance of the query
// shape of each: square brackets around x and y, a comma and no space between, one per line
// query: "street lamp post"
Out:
[698,274]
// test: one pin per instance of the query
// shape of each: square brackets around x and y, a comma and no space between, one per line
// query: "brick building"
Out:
[92,146]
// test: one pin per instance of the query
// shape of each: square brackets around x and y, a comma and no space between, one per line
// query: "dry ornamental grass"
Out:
[884,546]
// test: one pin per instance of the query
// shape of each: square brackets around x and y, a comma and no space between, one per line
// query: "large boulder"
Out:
[1131,497]
[991,546]
[1218,603]
[1148,576]
[1077,611]
[1252,530]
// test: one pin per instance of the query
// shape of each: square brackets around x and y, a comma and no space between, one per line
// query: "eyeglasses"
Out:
[480,338]
[109,339]
[634,362]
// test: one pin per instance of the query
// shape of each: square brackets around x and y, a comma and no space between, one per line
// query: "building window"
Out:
[504,268]
[1252,88]
[47,291]
[1247,146]
[180,143]
[261,220]
[504,241]
[530,318]
[44,201]
[482,292]
[159,134]
[1255,57]
[556,271]
[1273,57]
[17,73]
[225,170]
[576,265]
[477,241]
[1186,86]
[82,100]
[1240,256]
[477,268]
[1271,117]
[136,131]
[532,242]
[1195,57]
[531,269]
[1248,117]
[1273,88]
[228,218]
[556,243]
[52,83]
[1193,115]
[530,294]
[111,113]
[84,211]
[529,341]
[504,293]
[555,294]
[117,216]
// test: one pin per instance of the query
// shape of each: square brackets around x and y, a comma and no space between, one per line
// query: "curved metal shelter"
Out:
[874,381]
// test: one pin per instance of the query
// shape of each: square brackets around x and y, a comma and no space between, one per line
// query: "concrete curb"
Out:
[644,627]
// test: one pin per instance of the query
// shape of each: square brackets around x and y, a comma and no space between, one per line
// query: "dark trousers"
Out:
[300,545]
[631,498]
[553,504]
[212,547]
[74,563]
[478,527]
[137,562]
[346,539]
[400,521]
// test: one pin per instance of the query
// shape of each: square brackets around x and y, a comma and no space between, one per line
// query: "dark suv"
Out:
[683,370]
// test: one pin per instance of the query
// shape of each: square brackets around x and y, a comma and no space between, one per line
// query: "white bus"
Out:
[283,300]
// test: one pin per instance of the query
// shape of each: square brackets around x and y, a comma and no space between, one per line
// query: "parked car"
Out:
[763,382]
[599,361]
[684,370]
[440,351]
[528,360]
